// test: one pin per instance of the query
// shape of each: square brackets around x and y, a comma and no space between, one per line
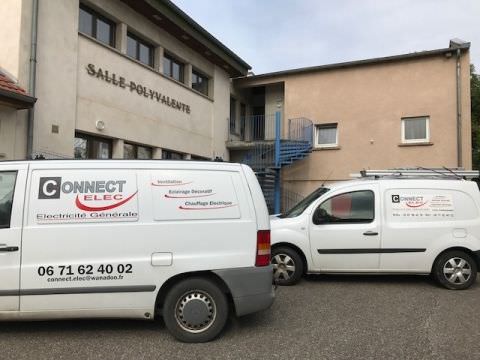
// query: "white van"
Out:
[388,225]
[133,239]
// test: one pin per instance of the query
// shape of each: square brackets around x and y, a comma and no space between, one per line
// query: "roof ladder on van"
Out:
[420,172]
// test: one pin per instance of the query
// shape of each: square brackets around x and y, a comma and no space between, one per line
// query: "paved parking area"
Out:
[334,317]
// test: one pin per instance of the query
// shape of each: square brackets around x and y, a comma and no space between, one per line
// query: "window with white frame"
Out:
[415,130]
[326,135]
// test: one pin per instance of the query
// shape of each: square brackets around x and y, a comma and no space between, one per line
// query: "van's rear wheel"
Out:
[287,266]
[455,270]
[195,310]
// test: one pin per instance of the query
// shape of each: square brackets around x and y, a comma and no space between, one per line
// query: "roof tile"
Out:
[8,84]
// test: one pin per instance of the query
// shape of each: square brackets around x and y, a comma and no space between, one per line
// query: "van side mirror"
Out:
[320,216]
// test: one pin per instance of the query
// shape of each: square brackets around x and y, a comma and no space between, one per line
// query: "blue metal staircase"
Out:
[269,156]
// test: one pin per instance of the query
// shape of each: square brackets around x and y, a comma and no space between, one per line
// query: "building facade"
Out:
[141,79]
[409,110]
[118,79]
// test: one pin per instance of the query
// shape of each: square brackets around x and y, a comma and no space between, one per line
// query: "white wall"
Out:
[56,77]
[137,118]
[74,100]
[13,133]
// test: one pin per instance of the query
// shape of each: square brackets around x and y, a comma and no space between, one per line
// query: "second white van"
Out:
[188,241]
[387,225]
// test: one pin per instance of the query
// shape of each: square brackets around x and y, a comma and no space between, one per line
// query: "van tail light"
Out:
[263,248]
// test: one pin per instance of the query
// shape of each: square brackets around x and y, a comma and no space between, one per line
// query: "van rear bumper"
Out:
[251,288]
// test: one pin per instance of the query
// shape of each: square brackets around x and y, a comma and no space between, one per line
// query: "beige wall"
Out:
[13,133]
[241,96]
[368,103]
[56,87]
[274,101]
[133,117]
[10,27]
[15,31]
[221,112]
[14,59]
[73,100]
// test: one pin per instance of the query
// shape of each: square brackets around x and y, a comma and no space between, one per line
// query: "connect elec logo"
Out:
[410,201]
[92,195]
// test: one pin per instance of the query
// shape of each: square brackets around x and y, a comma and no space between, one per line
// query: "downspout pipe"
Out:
[32,76]
[459,110]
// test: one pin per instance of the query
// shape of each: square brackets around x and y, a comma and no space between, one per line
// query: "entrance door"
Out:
[12,188]
[259,123]
[345,231]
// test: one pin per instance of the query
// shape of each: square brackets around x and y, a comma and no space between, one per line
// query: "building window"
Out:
[132,151]
[144,152]
[139,49]
[326,135]
[171,155]
[243,119]
[7,187]
[92,147]
[233,115]
[97,26]
[173,68]
[199,158]
[199,82]
[415,130]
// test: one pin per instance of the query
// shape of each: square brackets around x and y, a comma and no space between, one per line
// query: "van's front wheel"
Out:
[455,270]
[195,310]
[287,266]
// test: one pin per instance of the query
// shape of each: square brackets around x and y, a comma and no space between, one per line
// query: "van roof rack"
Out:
[420,172]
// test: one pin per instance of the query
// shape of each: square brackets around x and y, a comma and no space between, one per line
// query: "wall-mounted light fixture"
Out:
[100,125]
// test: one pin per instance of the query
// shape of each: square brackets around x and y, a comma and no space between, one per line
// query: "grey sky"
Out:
[275,35]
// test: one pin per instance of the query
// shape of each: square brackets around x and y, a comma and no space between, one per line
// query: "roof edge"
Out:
[464,46]
[19,101]
[204,33]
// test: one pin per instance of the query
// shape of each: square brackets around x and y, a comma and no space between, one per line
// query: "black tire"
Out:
[282,258]
[455,270]
[193,304]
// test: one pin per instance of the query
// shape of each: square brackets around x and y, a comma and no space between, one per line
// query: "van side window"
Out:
[7,186]
[352,207]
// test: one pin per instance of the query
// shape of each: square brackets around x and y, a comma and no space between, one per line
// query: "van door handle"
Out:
[370,233]
[8,248]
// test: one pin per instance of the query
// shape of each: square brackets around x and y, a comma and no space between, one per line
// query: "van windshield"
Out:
[302,205]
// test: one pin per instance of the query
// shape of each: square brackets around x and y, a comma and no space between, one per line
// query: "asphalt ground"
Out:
[334,317]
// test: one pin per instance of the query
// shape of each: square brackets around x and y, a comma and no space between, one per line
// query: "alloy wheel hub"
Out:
[457,270]
[283,267]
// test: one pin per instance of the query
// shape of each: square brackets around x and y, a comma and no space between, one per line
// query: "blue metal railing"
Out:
[253,128]
[300,129]
[273,148]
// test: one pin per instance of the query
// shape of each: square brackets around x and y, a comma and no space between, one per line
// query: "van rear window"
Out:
[7,187]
